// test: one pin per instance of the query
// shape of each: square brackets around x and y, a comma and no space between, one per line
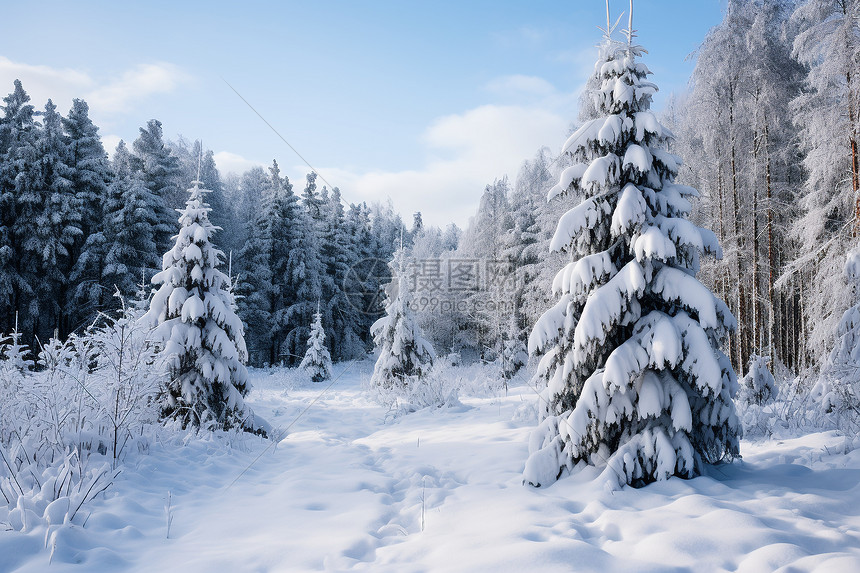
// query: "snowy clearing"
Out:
[350,488]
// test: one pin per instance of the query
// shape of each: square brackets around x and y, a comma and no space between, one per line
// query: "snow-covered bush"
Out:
[438,389]
[126,376]
[317,361]
[476,379]
[772,403]
[14,367]
[46,491]
[203,341]
[758,386]
[65,428]
[634,379]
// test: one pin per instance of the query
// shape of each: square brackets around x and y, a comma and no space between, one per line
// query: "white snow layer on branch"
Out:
[606,305]
[579,277]
[586,215]
[568,177]
[548,326]
[629,213]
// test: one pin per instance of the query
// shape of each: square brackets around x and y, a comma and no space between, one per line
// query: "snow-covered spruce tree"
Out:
[255,268]
[317,362]
[404,354]
[203,339]
[129,227]
[90,177]
[635,380]
[18,133]
[158,169]
[295,263]
[514,351]
[838,388]
[514,357]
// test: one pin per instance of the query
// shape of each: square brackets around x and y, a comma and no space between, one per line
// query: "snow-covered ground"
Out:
[349,487]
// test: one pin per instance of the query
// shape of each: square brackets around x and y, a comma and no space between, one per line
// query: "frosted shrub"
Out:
[126,378]
[478,379]
[65,428]
[435,390]
[758,386]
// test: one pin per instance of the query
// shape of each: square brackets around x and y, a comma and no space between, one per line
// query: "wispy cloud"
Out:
[106,96]
[135,85]
[43,82]
[466,152]
[229,162]
[524,36]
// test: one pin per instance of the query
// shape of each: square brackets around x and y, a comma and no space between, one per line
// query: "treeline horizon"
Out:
[768,128]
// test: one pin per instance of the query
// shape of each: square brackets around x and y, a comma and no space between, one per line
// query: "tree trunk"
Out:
[771,263]
[741,334]
[756,309]
[855,167]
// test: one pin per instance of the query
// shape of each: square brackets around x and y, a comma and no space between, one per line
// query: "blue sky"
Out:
[423,103]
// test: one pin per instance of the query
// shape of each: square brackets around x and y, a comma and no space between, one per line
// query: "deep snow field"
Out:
[350,486]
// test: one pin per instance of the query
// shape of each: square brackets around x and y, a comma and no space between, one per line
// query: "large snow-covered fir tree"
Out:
[204,345]
[317,361]
[404,354]
[635,381]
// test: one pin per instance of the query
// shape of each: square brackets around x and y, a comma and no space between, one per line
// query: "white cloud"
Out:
[110,141]
[107,97]
[134,85]
[43,82]
[481,145]
[464,153]
[228,162]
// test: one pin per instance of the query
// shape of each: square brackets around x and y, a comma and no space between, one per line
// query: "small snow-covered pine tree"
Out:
[514,357]
[404,354]
[634,378]
[13,354]
[203,339]
[317,361]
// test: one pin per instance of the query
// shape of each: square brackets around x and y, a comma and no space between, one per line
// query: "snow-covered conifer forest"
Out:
[642,353]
